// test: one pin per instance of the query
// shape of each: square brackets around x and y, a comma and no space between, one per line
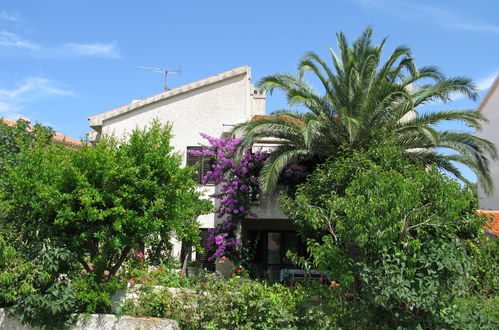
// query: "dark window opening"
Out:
[202,257]
[271,247]
[202,164]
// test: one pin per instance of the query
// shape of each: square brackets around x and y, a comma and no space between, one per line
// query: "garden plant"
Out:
[92,206]
[368,190]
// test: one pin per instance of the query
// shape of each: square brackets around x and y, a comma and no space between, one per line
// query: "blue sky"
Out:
[62,61]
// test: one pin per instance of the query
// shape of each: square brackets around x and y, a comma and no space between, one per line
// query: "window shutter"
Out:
[202,258]
[206,166]
[201,163]
[185,251]
[194,161]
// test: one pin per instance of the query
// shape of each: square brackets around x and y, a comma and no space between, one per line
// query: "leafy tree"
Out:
[20,136]
[401,240]
[37,290]
[100,201]
[362,95]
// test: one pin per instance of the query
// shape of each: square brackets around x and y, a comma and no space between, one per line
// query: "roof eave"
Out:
[96,121]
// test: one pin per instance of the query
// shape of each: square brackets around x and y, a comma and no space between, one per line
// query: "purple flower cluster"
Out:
[295,171]
[239,183]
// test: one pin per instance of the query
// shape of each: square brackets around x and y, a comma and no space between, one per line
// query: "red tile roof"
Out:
[58,137]
[8,122]
[493,217]
[285,118]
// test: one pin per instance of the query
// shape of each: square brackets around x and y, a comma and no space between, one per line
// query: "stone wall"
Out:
[98,321]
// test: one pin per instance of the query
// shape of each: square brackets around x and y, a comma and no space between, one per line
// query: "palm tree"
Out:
[360,96]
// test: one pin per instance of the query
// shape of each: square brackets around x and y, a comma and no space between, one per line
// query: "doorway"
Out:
[270,249]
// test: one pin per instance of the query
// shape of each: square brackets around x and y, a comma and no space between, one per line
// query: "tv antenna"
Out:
[162,70]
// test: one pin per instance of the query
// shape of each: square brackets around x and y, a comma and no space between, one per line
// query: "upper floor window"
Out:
[201,163]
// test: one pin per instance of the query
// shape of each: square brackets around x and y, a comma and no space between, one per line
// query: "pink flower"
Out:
[106,272]
[91,269]
[84,271]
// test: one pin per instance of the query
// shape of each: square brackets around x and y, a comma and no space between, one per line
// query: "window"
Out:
[201,256]
[201,163]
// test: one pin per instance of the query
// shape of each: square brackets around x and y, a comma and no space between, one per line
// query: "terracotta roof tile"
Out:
[285,118]
[493,217]
[58,137]
[8,122]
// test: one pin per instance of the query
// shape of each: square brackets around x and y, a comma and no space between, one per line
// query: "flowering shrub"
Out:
[239,185]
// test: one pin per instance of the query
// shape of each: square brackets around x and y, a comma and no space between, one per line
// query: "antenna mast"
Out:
[162,70]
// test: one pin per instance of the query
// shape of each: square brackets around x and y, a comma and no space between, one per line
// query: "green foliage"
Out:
[100,201]
[399,238]
[38,291]
[362,91]
[16,274]
[239,304]
[485,269]
[15,138]
[93,296]
[71,217]
[260,306]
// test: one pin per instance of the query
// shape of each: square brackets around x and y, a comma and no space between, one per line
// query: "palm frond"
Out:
[272,169]
[363,94]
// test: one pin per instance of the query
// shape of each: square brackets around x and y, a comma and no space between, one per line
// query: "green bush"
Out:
[77,214]
[94,296]
[242,304]
[38,291]
[402,240]
[101,201]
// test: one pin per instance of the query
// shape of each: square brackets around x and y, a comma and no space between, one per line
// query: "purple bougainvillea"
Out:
[238,186]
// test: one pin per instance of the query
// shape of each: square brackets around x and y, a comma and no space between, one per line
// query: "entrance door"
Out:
[270,251]
[274,255]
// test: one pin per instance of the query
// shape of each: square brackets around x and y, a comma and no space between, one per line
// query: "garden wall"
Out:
[98,321]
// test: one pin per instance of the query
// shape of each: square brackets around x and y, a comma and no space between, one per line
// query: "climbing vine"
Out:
[239,185]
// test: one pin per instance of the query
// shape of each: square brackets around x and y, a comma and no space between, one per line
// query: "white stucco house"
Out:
[489,107]
[489,204]
[212,106]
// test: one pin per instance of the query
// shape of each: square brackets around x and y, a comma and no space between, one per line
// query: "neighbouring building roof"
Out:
[283,117]
[493,217]
[58,137]
[96,120]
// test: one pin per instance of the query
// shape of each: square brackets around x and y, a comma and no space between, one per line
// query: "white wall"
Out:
[212,109]
[490,131]
[204,110]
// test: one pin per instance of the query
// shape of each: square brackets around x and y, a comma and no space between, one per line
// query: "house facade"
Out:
[489,107]
[212,106]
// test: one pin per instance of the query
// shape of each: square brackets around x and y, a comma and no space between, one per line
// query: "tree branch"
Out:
[405,219]
[85,265]
[118,263]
